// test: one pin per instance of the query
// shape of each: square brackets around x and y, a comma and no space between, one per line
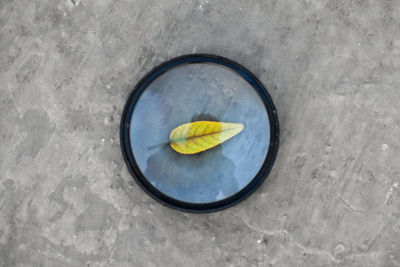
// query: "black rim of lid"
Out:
[187,206]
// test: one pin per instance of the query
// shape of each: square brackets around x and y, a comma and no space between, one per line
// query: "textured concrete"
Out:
[332,68]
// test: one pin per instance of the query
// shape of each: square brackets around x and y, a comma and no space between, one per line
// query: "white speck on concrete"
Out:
[136,211]
[339,250]
[108,120]
[389,193]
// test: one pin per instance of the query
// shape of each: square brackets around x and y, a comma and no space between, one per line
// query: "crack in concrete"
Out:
[368,246]
[315,252]
[348,205]
[273,233]
[376,237]
[311,251]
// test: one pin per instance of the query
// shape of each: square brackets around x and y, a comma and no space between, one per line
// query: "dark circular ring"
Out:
[199,207]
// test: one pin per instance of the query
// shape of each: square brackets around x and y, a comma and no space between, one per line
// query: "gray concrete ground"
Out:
[332,68]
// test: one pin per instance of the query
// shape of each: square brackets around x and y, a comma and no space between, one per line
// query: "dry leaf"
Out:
[195,137]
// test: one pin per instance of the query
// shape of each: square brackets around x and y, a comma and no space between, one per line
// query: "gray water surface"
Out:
[196,92]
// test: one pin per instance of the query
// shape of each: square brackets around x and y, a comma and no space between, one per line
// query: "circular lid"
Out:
[199,133]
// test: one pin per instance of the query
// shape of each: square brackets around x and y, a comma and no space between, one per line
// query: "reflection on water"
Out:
[205,181]
[178,97]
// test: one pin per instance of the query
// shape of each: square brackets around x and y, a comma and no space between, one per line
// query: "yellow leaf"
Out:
[195,137]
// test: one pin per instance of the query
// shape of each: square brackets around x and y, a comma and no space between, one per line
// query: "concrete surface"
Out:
[332,68]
